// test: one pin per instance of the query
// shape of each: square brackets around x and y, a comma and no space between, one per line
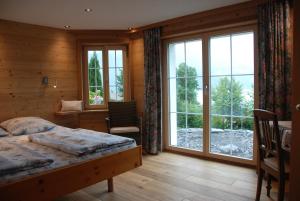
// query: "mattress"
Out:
[60,159]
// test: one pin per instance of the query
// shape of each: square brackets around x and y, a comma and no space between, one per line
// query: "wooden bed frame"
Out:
[52,184]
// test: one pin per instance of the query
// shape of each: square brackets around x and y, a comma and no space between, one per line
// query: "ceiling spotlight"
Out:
[132,30]
[67,26]
[88,10]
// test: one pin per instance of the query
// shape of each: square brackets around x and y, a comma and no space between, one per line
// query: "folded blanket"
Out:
[79,141]
[15,158]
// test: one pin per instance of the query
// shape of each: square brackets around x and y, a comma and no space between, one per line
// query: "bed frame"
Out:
[52,184]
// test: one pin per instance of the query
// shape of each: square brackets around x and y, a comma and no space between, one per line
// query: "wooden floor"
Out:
[179,178]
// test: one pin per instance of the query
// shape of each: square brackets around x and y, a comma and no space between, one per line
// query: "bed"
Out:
[65,172]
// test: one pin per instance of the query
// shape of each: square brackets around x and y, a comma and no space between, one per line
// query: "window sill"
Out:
[79,112]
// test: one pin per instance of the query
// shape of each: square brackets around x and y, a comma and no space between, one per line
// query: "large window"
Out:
[104,78]
[211,95]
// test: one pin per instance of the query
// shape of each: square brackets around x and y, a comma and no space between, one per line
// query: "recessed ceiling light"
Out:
[88,10]
[67,26]
[132,30]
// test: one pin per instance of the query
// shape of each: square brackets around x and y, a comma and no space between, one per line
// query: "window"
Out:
[210,82]
[104,75]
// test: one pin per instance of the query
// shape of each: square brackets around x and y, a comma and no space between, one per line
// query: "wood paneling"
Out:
[104,36]
[172,177]
[136,53]
[233,14]
[27,53]
[295,151]
[93,120]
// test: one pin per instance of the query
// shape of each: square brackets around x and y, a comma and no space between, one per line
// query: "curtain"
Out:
[275,46]
[152,96]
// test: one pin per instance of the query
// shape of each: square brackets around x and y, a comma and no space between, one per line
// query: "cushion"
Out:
[71,106]
[26,125]
[3,132]
[129,129]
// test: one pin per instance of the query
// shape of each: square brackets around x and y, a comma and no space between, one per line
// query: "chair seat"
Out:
[273,163]
[127,129]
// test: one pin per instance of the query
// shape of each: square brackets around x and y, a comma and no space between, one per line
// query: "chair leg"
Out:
[110,185]
[269,186]
[281,189]
[259,184]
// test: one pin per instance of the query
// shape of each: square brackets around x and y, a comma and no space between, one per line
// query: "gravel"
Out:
[237,143]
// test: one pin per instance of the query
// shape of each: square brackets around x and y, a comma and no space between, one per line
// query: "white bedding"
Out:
[59,158]
[79,141]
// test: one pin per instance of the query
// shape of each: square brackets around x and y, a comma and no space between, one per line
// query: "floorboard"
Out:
[172,177]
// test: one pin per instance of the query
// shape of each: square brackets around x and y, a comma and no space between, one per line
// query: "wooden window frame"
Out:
[85,83]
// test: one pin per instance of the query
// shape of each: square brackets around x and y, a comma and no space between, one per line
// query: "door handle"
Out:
[298,107]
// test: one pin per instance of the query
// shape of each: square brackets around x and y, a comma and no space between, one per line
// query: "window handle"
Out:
[206,89]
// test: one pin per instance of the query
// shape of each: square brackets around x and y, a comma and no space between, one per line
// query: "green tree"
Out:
[95,78]
[249,103]
[227,92]
[248,109]
[187,86]
[190,83]
[227,99]
[120,82]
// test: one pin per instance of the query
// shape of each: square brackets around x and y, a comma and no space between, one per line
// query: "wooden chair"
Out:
[123,120]
[271,156]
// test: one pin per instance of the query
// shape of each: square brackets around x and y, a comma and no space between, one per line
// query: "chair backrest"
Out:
[268,136]
[122,114]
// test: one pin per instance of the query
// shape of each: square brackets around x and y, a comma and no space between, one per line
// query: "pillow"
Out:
[26,125]
[71,106]
[3,132]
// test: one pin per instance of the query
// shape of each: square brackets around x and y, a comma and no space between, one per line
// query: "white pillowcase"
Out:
[3,132]
[71,106]
[26,125]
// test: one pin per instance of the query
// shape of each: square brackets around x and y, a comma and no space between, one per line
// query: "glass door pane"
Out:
[185,94]
[232,94]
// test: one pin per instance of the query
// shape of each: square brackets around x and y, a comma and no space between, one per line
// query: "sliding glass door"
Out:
[232,94]
[186,94]
[210,82]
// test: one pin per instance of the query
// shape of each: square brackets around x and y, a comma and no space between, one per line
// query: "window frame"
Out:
[85,80]
[205,35]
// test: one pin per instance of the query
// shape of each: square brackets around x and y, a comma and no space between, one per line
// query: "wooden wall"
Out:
[137,73]
[27,53]
[93,120]
[206,20]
